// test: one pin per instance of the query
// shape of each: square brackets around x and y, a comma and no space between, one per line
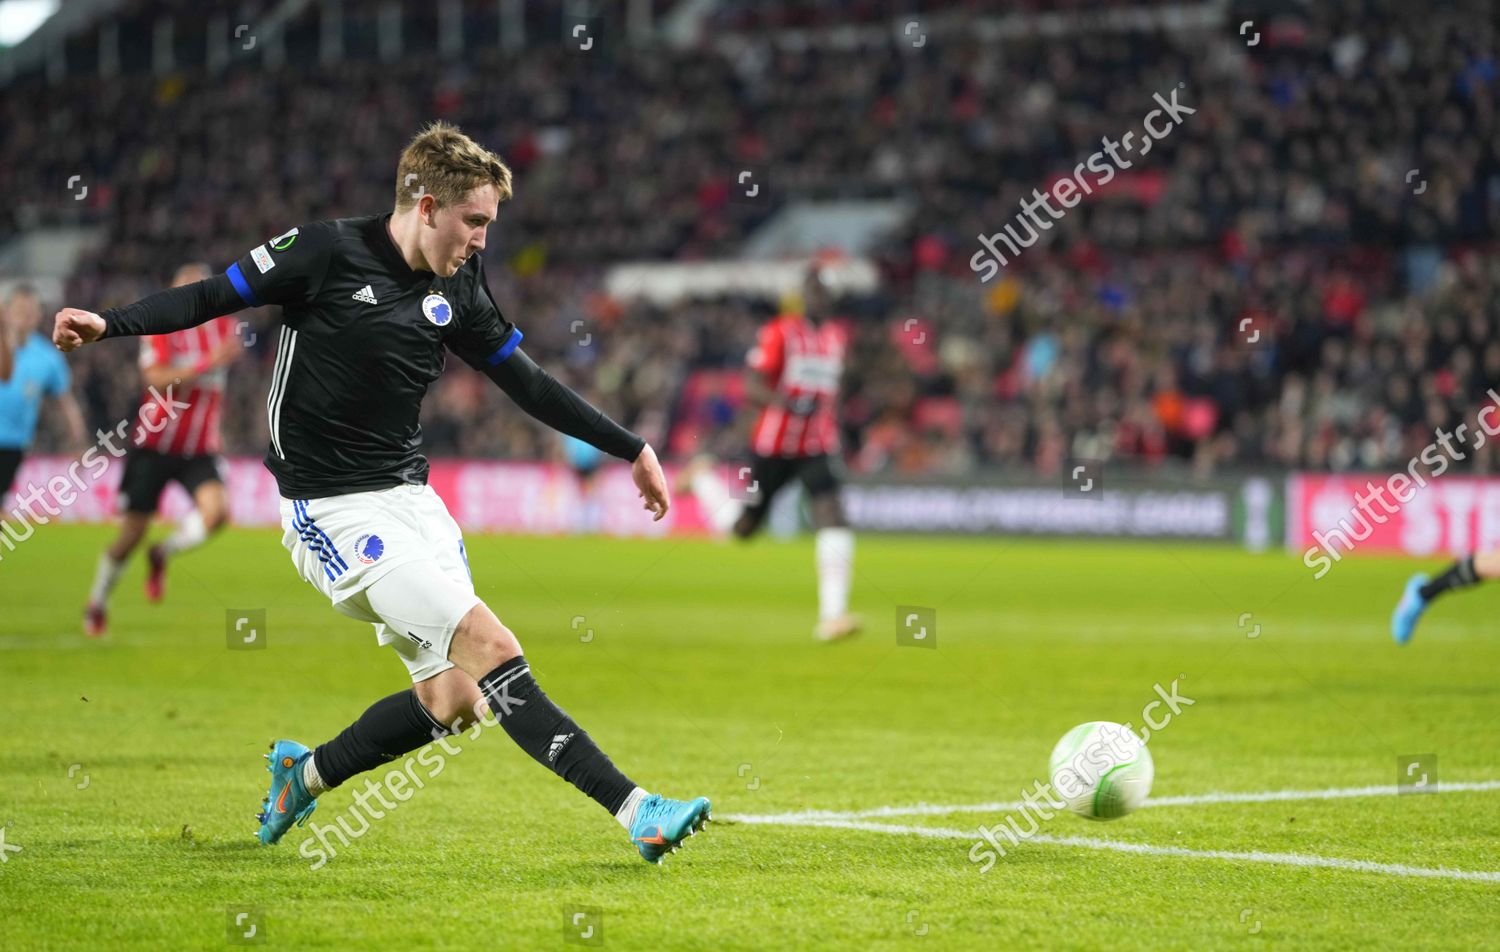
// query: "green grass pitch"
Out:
[132,765]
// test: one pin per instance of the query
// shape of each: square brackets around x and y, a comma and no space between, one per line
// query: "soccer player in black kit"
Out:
[369,305]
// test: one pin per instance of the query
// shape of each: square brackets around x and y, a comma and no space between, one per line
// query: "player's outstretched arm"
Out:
[161,313]
[552,402]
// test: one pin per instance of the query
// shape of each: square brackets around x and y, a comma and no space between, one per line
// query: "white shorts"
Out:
[394,558]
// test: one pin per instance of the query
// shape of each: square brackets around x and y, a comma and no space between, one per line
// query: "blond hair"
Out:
[443,162]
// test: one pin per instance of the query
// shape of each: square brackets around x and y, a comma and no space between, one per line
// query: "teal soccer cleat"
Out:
[1408,610]
[662,824]
[288,802]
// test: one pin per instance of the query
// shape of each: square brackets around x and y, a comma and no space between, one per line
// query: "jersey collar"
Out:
[385,249]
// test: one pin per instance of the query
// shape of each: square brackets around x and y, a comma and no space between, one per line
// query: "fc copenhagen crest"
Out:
[437,309]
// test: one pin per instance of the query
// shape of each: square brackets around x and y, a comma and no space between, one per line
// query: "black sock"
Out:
[1460,574]
[549,735]
[392,726]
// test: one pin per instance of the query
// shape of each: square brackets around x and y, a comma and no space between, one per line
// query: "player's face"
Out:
[21,313]
[458,230]
[815,299]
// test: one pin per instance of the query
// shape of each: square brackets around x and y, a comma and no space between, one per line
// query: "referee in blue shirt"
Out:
[30,369]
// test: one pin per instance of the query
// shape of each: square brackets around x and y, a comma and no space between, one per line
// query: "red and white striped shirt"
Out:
[804,364]
[193,431]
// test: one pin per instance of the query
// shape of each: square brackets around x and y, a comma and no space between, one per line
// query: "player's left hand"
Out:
[646,471]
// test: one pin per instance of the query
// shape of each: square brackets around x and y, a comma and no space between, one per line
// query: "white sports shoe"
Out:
[836,629]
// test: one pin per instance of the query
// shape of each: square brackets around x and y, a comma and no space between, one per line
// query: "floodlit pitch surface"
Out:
[849,779]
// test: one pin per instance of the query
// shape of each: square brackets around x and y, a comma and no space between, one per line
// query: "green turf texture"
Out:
[701,678]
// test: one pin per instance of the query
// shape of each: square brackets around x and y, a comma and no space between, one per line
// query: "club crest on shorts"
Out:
[437,309]
[368,549]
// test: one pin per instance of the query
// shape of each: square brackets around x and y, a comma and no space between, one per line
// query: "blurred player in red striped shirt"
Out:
[793,379]
[177,440]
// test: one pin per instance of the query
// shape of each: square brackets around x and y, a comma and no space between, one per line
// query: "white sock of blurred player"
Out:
[835,556]
[191,532]
[713,497]
[833,547]
[105,577]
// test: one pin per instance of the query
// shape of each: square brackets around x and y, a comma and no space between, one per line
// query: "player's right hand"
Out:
[73,328]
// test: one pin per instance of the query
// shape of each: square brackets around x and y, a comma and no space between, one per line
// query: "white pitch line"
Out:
[1146,849]
[1262,796]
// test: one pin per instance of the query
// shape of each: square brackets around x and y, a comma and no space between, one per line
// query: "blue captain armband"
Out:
[506,349]
[241,286]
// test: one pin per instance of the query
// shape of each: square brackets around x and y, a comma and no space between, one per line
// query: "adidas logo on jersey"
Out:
[558,743]
[366,295]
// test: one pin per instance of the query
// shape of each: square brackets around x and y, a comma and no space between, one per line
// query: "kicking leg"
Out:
[489,652]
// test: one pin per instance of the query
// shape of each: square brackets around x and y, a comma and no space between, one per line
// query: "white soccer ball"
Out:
[1101,770]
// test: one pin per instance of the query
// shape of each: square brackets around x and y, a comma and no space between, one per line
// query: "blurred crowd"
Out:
[1302,274]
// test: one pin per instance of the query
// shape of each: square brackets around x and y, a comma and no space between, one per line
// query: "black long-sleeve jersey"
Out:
[362,338]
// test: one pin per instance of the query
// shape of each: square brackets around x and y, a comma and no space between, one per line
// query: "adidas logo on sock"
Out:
[557,745]
[366,295]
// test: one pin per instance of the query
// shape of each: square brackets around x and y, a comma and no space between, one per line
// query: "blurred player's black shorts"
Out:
[10,462]
[147,473]
[771,473]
